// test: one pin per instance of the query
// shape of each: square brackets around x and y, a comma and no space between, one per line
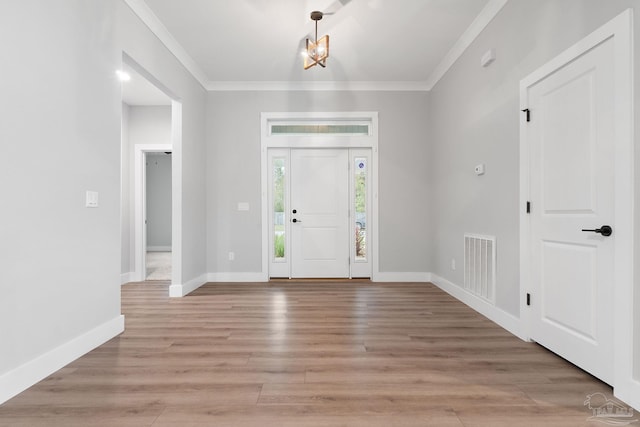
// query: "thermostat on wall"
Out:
[479,169]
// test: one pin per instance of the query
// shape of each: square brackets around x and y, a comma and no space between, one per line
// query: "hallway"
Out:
[158,266]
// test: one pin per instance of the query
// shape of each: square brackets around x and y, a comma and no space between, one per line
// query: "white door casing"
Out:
[320,238]
[360,144]
[576,170]
[140,206]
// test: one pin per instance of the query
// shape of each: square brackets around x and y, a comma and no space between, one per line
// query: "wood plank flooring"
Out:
[308,354]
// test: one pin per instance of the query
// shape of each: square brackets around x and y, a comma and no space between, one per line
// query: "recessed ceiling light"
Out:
[123,76]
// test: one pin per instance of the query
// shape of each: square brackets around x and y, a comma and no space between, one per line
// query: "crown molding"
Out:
[316,86]
[151,20]
[144,12]
[471,33]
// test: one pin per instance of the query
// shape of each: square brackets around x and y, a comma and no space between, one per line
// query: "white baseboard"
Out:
[497,315]
[24,376]
[237,277]
[158,248]
[401,277]
[180,290]
[127,277]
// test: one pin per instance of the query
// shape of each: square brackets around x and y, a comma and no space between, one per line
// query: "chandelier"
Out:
[317,51]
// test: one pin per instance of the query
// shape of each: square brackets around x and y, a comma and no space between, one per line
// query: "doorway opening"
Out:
[151,176]
[157,204]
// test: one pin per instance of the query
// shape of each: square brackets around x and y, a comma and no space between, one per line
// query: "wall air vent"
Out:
[480,266]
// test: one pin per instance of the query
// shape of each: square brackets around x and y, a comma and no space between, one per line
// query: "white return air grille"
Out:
[480,265]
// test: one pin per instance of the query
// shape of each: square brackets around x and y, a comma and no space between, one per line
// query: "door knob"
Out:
[295,211]
[605,230]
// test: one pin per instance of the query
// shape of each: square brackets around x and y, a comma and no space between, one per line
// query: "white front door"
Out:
[319,213]
[571,141]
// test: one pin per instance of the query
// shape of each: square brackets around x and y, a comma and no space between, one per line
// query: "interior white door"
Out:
[571,142]
[319,213]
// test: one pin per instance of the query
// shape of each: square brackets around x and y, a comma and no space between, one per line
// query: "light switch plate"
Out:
[92,199]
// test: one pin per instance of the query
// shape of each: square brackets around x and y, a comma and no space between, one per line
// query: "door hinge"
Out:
[528,299]
[528,207]
[526,110]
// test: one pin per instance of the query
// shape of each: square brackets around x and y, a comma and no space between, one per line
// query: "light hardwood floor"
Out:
[308,354]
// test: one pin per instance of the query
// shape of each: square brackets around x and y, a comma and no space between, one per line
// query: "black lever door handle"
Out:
[295,220]
[605,230]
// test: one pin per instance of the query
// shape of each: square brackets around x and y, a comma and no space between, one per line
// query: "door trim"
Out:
[140,209]
[268,140]
[620,30]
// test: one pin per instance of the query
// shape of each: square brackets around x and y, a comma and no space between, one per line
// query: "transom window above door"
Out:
[352,129]
[320,130]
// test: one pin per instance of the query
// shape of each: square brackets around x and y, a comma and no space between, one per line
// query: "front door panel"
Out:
[319,213]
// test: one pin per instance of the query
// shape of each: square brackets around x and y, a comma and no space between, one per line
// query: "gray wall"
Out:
[149,125]
[158,185]
[233,168]
[61,135]
[126,196]
[475,119]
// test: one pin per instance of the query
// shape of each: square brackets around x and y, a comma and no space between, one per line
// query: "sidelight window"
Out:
[360,192]
[279,240]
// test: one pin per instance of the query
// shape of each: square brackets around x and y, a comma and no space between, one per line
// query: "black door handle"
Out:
[605,230]
[295,220]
